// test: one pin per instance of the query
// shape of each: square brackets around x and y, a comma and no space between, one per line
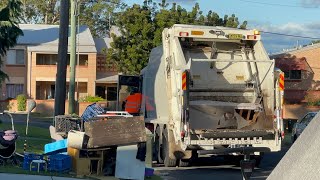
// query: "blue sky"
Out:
[295,17]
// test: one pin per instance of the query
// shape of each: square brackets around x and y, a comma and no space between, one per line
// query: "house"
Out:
[32,65]
[302,79]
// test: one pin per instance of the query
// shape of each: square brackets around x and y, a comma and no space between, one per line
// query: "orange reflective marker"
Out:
[281,82]
[184,81]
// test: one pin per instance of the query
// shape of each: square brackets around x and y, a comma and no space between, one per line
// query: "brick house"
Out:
[302,78]
[31,65]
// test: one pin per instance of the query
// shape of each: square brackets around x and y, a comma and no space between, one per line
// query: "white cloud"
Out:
[310,3]
[180,2]
[276,43]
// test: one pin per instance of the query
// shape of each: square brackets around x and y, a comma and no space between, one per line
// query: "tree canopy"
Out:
[9,29]
[97,14]
[142,25]
[315,41]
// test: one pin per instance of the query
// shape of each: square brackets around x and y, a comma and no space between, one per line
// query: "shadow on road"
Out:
[218,168]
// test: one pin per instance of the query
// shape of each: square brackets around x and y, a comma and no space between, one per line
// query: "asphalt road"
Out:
[216,168]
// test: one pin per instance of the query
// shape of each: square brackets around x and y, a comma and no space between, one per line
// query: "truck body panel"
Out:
[230,98]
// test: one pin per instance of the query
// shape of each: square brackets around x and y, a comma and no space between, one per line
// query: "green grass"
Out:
[36,139]
[35,132]
[19,170]
[33,145]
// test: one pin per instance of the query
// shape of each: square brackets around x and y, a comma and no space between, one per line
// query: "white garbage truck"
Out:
[211,91]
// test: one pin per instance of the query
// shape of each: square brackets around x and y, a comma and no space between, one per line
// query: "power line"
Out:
[291,35]
[272,4]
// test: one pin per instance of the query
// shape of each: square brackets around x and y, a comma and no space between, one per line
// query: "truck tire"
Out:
[258,159]
[168,162]
[158,147]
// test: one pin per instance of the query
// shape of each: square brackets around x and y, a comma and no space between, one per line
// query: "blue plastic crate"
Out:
[59,163]
[56,147]
[28,158]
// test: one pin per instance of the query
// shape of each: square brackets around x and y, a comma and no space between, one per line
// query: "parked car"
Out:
[301,125]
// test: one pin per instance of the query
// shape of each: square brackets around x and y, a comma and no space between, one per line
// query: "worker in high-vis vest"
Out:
[133,103]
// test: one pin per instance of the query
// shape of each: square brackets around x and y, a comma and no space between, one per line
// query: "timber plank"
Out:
[104,132]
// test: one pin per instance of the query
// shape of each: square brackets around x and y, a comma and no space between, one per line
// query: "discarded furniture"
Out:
[39,163]
[28,158]
[64,123]
[127,166]
[111,131]
[77,139]
[59,163]
[83,161]
[56,147]
[93,110]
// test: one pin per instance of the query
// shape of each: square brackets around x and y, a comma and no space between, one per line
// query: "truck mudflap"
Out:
[242,150]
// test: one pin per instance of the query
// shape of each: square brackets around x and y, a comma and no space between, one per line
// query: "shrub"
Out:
[91,99]
[10,106]
[22,102]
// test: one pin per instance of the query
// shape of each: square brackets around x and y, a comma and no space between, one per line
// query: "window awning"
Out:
[109,79]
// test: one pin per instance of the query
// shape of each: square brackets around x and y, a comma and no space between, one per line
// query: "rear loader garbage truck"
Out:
[211,91]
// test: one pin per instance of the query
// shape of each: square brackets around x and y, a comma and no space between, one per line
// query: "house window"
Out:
[13,90]
[47,59]
[16,57]
[83,60]
[293,74]
[52,59]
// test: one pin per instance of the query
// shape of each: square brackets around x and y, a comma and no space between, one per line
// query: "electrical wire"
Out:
[291,35]
[275,4]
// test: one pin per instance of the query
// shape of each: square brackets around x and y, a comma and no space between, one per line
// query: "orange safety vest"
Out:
[133,103]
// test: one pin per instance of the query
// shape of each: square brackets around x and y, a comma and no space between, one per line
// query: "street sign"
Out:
[247,167]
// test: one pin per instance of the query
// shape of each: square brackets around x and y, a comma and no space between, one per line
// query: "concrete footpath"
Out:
[5,176]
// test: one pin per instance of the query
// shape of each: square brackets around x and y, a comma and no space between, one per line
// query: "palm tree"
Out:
[9,29]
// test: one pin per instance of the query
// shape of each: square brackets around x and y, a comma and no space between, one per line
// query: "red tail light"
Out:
[282,134]
[183,134]
[184,34]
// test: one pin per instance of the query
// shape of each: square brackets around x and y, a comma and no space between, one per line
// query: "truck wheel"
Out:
[258,159]
[184,162]
[158,147]
[168,162]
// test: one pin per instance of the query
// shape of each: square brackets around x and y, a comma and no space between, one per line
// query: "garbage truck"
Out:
[213,91]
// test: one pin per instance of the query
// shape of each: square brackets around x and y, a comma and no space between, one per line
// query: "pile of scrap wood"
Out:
[108,131]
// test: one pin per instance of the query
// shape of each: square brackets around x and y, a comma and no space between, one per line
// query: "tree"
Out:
[98,15]
[130,51]
[94,13]
[315,42]
[9,29]
[142,26]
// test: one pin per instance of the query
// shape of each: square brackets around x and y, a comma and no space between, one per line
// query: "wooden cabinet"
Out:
[83,165]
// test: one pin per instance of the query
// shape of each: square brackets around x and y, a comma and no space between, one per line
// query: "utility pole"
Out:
[60,88]
[72,57]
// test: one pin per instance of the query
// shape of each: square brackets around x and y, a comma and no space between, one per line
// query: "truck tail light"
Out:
[282,134]
[251,37]
[183,34]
